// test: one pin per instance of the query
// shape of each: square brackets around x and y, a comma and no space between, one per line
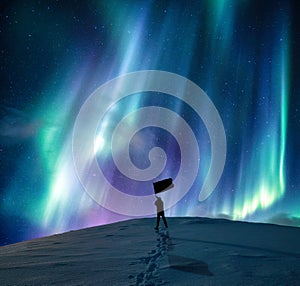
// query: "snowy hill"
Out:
[194,251]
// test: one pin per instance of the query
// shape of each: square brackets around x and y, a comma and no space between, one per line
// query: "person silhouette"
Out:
[160,212]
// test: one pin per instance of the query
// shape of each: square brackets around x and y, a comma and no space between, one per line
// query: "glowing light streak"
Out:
[268,184]
[285,67]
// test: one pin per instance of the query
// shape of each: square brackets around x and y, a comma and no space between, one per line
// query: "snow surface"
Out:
[194,251]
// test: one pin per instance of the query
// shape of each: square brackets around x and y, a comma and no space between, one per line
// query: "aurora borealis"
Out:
[55,54]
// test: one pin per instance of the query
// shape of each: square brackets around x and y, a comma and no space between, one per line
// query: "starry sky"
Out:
[63,165]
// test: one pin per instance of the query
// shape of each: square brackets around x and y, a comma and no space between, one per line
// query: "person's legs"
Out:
[164,219]
[157,220]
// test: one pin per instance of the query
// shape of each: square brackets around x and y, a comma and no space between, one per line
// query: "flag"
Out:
[163,185]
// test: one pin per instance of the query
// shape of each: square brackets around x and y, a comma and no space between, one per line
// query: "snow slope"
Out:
[195,251]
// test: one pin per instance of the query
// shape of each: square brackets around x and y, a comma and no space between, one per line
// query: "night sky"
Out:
[63,166]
